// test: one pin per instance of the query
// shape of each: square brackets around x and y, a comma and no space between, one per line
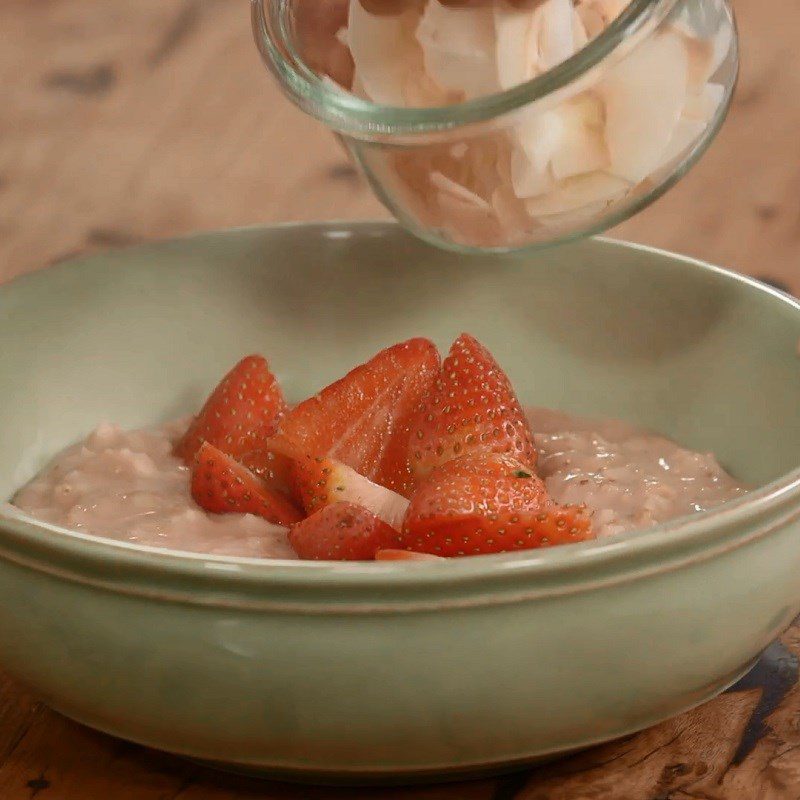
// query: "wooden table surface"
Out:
[124,121]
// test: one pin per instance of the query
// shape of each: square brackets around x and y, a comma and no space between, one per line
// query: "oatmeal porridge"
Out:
[129,486]
[407,455]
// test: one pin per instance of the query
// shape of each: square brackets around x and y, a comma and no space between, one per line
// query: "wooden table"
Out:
[123,121]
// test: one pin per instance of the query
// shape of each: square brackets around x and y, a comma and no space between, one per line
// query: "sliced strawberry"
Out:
[404,555]
[471,408]
[240,414]
[488,503]
[222,485]
[363,419]
[341,532]
[321,481]
[273,464]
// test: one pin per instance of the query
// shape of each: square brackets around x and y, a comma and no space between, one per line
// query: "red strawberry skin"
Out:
[488,503]
[341,532]
[363,419]
[471,408]
[243,411]
[222,485]
[318,482]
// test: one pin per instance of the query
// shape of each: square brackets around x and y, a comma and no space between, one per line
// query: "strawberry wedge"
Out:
[471,408]
[341,532]
[363,419]
[319,482]
[242,412]
[488,503]
[222,485]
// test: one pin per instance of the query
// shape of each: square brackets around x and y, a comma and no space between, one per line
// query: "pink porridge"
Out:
[629,478]
[128,485]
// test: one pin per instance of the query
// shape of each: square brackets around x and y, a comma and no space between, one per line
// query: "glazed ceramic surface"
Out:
[399,670]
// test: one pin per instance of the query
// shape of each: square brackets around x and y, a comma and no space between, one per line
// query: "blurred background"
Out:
[125,121]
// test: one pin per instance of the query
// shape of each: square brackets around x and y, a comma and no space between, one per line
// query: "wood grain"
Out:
[122,122]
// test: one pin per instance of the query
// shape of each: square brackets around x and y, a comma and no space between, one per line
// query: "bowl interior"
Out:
[596,327]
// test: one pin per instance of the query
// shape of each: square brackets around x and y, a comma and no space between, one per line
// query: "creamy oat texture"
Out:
[127,485]
[628,478]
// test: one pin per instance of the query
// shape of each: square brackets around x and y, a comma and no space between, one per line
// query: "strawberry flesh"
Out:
[488,503]
[341,532]
[241,413]
[471,408]
[321,481]
[273,464]
[363,419]
[222,485]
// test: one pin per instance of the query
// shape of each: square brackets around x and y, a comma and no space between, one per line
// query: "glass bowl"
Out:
[568,153]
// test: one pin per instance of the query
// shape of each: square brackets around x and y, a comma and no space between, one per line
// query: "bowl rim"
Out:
[311,586]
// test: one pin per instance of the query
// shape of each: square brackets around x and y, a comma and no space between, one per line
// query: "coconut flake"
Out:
[582,147]
[703,105]
[559,143]
[384,52]
[721,42]
[449,186]
[580,36]
[517,45]
[458,46]
[466,223]
[420,90]
[607,10]
[487,163]
[511,214]
[575,193]
[591,19]
[559,164]
[531,41]
[700,52]
[556,34]
[538,138]
[706,54]
[686,133]
[644,97]
[526,180]
[565,220]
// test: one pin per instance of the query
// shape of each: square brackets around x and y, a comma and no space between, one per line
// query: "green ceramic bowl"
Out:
[366,671]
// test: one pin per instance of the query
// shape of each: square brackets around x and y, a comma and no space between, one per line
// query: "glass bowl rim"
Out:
[361,118]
